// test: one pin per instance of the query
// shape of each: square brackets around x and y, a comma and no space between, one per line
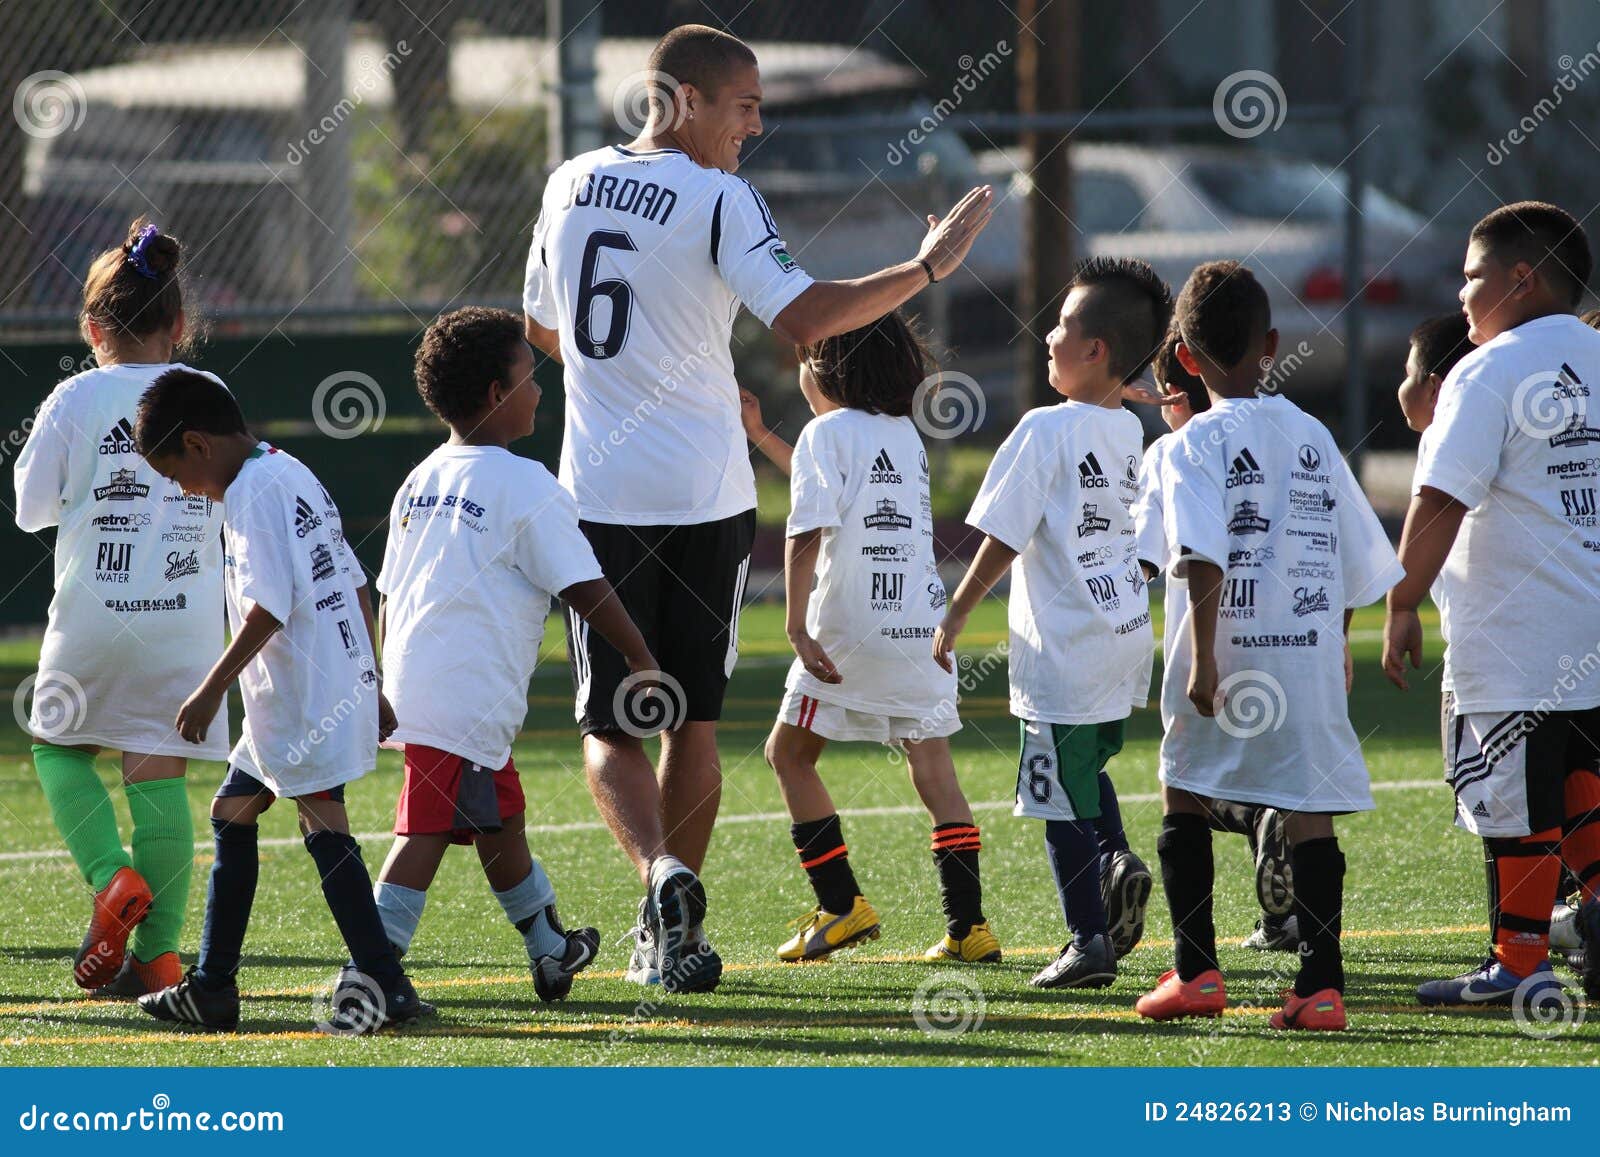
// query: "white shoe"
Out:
[644,965]
[1275,936]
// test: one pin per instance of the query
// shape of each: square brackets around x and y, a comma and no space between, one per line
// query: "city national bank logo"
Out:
[180,564]
[883,470]
[1310,602]
[1245,471]
[118,440]
[887,516]
[321,562]
[1247,519]
[1090,476]
[124,486]
[1092,522]
[305,519]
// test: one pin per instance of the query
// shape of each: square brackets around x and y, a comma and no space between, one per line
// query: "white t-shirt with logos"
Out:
[1516,439]
[311,693]
[862,479]
[1258,488]
[480,541]
[136,620]
[640,260]
[1061,491]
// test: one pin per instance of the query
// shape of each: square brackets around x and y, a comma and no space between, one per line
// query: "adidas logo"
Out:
[1090,476]
[883,470]
[305,519]
[1480,812]
[1245,471]
[118,440]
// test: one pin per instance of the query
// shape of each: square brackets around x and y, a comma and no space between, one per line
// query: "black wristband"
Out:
[923,261]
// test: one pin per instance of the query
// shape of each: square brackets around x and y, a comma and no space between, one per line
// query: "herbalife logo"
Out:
[1247,519]
[1130,473]
[887,516]
[305,519]
[124,486]
[883,470]
[1092,521]
[1245,471]
[118,440]
[1090,476]
[1308,466]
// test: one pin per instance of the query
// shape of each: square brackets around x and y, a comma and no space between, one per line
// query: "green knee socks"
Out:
[81,807]
[163,853]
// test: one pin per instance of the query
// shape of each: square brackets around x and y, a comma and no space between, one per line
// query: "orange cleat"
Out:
[138,978]
[118,907]
[1320,1012]
[1172,999]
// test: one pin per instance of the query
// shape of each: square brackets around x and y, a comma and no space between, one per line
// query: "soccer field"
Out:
[1414,910]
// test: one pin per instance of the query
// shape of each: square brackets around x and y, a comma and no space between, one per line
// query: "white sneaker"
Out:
[644,965]
[1276,935]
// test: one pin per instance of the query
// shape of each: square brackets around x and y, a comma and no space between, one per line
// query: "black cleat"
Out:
[552,975]
[190,1002]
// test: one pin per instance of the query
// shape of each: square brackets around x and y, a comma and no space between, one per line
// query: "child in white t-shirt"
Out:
[303,656]
[1057,501]
[480,540]
[861,526]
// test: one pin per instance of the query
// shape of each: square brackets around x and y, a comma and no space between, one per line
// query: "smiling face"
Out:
[1077,363]
[718,125]
[1493,294]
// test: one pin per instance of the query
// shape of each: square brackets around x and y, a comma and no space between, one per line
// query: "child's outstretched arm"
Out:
[596,602]
[799,568]
[989,565]
[1432,524]
[1205,594]
[197,712]
[777,451]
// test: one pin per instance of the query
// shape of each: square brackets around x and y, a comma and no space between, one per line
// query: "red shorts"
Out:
[445,794]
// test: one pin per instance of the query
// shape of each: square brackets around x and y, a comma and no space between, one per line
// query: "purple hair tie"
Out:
[136,252]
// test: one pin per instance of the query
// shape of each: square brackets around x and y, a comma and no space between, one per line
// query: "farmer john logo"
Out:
[321,562]
[887,516]
[1092,522]
[1575,434]
[123,486]
[1247,519]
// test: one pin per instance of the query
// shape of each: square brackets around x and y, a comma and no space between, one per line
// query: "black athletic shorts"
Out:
[683,585]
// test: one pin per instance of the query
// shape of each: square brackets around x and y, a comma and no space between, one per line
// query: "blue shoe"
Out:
[1492,983]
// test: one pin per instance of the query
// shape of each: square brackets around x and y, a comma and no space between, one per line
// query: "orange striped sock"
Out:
[1580,840]
[955,854]
[826,860]
[1523,874]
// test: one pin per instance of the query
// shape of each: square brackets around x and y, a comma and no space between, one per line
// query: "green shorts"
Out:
[1058,773]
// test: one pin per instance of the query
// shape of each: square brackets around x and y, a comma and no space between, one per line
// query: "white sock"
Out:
[527,907]
[401,909]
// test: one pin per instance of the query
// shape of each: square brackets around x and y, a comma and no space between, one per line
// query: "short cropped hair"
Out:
[181,400]
[1547,237]
[1221,311]
[1441,342]
[1171,375]
[462,354]
[694,54]
[876,368]
[1128,307]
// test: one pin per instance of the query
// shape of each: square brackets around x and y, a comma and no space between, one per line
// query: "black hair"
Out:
[1171,375]
[1547,237]
[1221,311]
[1128,307]
[1441,342]
[133,289]
[181,400]
[462,354]
[876,368]
[694,54]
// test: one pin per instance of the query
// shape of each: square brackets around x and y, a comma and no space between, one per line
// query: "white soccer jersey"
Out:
[1150,532]
[640,260]
[1061,491]
[862,479]
[136,620]
[1514,441]
[480,540]
[311,692]
[1258,488]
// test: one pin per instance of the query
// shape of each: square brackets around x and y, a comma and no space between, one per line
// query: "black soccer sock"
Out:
[348,890]
[229,896]
[1108,827]
[1188,873]
[955,854]
[1319,906]
[827,863]
[1075,860]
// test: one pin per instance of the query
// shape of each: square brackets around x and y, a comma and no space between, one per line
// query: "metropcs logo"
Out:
[118,440]
[1245,471]
[1090,476]
[883,470]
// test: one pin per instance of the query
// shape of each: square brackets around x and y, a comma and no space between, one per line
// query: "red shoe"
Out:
[138,978]
[1172,998]
[118,907]
[1320,1012]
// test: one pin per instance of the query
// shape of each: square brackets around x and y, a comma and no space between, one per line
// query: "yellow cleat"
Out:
[822,933]
[978,946]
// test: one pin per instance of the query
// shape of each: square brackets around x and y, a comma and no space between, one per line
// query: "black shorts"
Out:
[239,782]
[1509,769]
[683,586]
